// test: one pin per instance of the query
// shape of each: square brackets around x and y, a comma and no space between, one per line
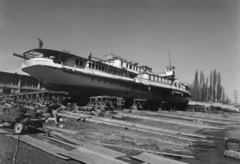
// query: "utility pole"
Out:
[236,96]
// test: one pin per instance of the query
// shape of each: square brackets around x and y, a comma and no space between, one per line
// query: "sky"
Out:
[200,35]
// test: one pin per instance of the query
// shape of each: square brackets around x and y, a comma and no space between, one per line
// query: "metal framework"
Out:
[106,102]
[37,98]
[138,104]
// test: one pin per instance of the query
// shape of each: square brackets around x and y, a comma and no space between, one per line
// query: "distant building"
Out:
[17,83]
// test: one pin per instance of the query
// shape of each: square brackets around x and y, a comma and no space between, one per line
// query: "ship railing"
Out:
[167,82]
[72,65]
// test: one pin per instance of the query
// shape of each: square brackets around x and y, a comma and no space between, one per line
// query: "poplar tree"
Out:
[214,85]
[219,87]
[210,87]
[196,86]
[201,84]
[205,89]
[223,96]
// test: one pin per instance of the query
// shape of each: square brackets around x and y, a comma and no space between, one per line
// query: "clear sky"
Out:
[202,34]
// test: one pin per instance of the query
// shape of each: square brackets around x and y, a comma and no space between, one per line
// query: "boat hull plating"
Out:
[79,83]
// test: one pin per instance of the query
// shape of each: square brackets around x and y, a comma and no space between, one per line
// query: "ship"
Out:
[111,75]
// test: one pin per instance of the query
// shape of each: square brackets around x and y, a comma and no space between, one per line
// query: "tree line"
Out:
[208,89]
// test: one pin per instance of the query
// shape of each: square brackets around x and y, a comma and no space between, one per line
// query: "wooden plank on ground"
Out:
[62,142]
[171,121]
[49,148]
[206,115]
[90,157]
[144,150]
[65,138]
[190,118]
[96,148]
[103,150]
[61,130]
[154,159]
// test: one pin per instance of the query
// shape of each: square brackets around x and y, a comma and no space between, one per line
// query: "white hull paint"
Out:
[57,79]
[85,81]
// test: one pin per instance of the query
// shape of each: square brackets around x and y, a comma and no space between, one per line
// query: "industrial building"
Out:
[11,83]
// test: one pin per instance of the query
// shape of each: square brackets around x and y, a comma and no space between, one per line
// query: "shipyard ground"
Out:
[200,135]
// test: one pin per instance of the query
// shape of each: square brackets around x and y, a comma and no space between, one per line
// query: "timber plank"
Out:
[220,117]
[62,130]
[49,148]
[154,159]
[96,148]
[62,142]
[103,150]
[171,121]
[190,118]
[65,138]
[149,151]
[90,157]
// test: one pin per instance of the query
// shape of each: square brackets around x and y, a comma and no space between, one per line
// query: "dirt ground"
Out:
[26,154]
[119,137]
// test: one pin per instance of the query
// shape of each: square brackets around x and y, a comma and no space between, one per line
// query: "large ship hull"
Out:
[85,82]
[77,84]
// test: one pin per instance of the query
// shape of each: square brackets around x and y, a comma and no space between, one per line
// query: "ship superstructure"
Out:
[112,75]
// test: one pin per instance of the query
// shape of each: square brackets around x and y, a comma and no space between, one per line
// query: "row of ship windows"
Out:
[79,62]
[111,70]
[159,79]
[131,67]
[124,74]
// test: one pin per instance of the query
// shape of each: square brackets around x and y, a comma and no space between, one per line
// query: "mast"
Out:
[170,64]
